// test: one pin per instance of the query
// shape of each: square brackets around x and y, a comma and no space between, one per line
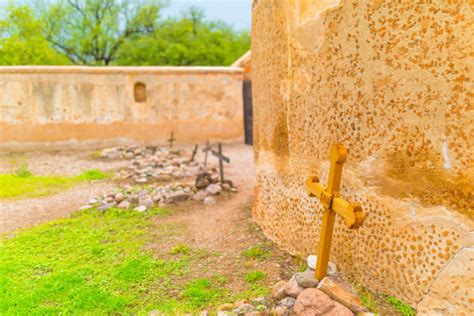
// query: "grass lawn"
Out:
[95,263]
[27,185]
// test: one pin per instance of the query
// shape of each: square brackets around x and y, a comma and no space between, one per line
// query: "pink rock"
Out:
[342,292]
[293,288]
[278,291]
[339,310]
[312,302]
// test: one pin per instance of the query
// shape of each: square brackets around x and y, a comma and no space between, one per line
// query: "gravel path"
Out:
[57,163]
[16,214]
[21,213]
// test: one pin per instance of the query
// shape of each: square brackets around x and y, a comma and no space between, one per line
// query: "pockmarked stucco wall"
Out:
[77,107]
[393,82]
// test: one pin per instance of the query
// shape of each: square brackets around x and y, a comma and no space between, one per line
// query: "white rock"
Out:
[141,180]
[141,208]
[312,259]
[200,195]
[124,205]
[213,189]
[209,200]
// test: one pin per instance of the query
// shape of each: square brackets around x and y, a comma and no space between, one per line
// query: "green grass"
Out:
[258,252]
[204,292]
[180,249]
[23,184]
[402,308]
[254,276]
[95,263]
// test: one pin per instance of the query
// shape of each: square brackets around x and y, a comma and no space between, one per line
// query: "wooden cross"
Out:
[205,150]
[194,152]
[221,158]
[333,204]
[171,140]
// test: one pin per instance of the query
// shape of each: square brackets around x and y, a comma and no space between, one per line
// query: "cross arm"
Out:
[351,212]
[314,188]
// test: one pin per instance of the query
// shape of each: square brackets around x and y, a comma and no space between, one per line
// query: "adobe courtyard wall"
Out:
[83,107]
[392,81]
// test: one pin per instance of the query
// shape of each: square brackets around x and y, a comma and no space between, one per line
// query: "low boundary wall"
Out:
[70,107]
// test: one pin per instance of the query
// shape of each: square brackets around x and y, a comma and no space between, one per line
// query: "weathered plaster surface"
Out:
[392,80]
[90,106]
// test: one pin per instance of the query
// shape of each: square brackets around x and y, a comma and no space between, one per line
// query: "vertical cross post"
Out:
[221,158]
[194,152]
[171,140]
[332,203]
[205,150]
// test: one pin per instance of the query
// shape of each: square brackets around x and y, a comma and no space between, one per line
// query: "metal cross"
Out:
[171,140]
[194,152]
[221,158]
[205,150]
[329,197]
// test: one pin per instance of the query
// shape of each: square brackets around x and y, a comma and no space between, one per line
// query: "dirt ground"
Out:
[227,230]
[224,229]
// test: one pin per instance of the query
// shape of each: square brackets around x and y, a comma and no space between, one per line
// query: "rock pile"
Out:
[128,152]
[303,295]
[142,198]
[164,165]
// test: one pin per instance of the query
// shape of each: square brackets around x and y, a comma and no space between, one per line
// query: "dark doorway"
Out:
[248,113]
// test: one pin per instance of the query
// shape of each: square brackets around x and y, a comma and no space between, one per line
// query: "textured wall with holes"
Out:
[96,106]
[392,80]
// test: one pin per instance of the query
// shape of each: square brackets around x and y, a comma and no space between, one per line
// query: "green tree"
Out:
[21,42]
[189,40]
[91,32]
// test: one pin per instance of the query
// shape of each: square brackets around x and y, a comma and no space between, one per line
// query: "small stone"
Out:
[133,198]
[203,180]
[312,302]
[209,200]
[119,197]
[104,207]
[141,180]
[200,195]
[141,208]
[156,198]
[146,201]
[213,189]
[176,197]
[278,291]
[280,310]
[128,155]
[124,205]
[154,313]
[226,187]
[339,310]
[312,259]
[85,207]
[226,307]
[338,290]
[293,288]
[306,279]
[287,302]
[93,201]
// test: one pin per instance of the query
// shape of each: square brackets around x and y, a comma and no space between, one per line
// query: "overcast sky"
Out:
[236,12]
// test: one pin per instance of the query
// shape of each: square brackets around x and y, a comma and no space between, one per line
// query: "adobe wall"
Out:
[392,80]
[80,107]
